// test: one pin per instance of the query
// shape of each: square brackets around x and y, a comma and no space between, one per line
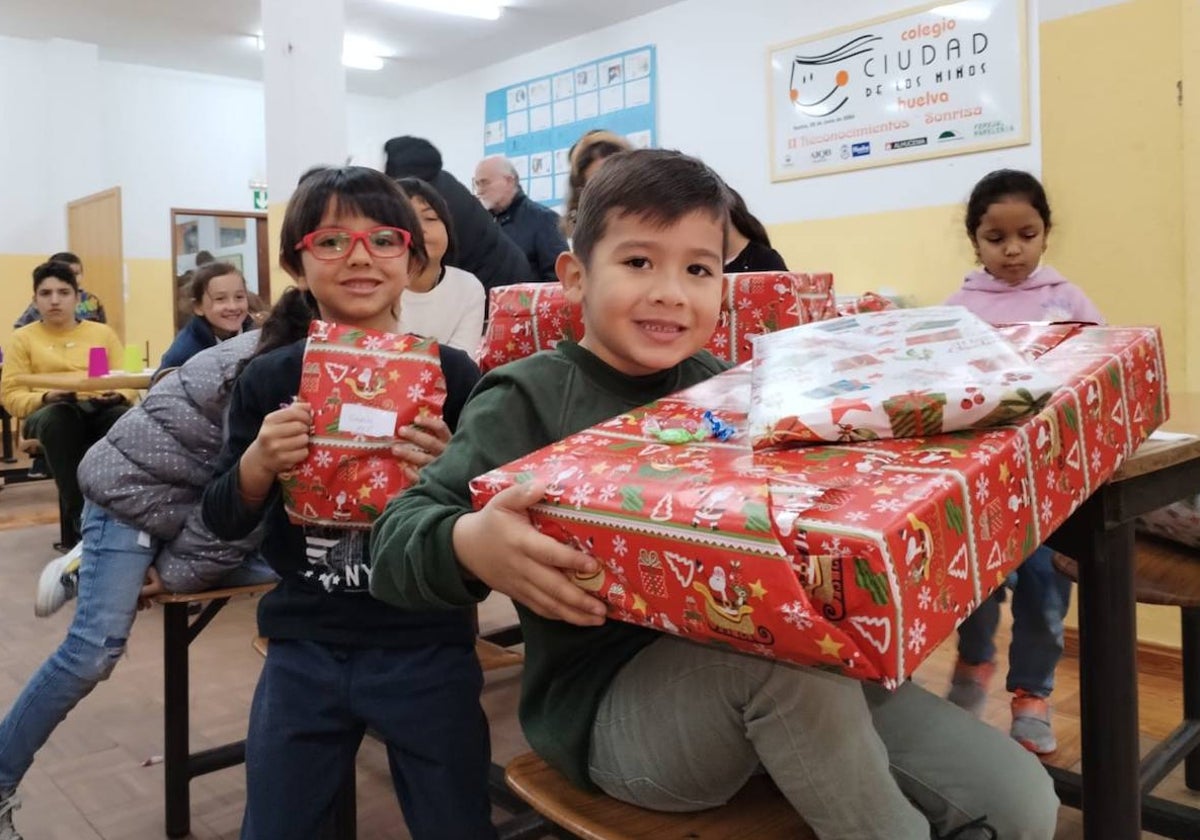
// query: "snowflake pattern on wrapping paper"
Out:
[306,471]
[1019,456]
[1097,461]
[607,493]
[378,481]
[981,456]
[374,464]
[940,482]
[494,484]
[526,348]
[323,458]
[1047,509]
[916,635]
[581,495]
[373,342]
[415,392]
[544,308]
[856,516]
[917,494]
[620,546]
[426,376]
[925,598]
[719,341]
[983,488]
[796,614]
[904,479]
[887,506]
[763,650]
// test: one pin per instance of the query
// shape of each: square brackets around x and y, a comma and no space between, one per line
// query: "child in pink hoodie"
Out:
[1008,219]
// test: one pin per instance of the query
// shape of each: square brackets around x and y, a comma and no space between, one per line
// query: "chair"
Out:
[759,811]
[1167,574]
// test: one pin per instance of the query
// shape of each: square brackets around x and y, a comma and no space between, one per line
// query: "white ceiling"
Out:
[215,36]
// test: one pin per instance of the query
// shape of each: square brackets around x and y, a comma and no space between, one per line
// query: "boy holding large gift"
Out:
[653,719]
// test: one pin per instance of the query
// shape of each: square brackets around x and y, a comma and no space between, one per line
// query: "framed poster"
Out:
[535,121]
[938,80]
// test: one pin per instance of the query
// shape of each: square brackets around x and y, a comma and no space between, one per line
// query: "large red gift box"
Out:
[861,557]
[363,387]
[529,317]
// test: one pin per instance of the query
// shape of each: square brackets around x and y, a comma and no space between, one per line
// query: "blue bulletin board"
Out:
[535,122]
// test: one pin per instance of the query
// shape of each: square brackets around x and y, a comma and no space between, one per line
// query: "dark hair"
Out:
[744,222]
[659,185]
[286,324]
[205,274]
[417,188]
[55,268]
[594,145]
[999,185]
[66,257]
[355,189]
[204,258]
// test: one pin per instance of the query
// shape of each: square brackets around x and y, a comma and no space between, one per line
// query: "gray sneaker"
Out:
[8,803]
[1031,723]
[969,686]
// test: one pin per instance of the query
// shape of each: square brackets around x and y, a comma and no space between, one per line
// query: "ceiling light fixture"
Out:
[357,53]
[482,9]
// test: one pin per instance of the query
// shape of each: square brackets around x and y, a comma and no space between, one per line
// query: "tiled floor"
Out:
[97,777]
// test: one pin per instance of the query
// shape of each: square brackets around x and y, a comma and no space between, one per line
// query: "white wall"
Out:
[71,124]
[712,103]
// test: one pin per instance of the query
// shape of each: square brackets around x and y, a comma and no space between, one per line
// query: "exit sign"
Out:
[260,199]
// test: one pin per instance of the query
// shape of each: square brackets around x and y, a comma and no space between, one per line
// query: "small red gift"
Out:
[363,386]
[529,317]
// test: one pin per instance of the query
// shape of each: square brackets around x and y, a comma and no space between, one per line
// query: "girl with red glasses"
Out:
[340,661]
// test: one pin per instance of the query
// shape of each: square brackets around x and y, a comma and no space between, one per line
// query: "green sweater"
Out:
[516,409]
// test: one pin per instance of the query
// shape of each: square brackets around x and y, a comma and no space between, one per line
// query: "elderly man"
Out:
[531,226]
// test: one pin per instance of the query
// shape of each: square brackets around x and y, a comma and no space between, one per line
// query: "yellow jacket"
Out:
[36,348]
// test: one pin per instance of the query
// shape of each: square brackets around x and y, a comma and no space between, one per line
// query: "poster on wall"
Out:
[944,79]
[535,122]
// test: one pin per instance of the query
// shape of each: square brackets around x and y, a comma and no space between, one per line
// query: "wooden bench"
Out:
[1165,574]
[758,811]
[180,765]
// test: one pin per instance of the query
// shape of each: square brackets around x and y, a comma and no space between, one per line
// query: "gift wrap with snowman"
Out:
[363,387]
[860,555]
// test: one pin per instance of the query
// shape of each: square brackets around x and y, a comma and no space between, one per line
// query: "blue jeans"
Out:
[1039,603]
[111,574]
[311,708]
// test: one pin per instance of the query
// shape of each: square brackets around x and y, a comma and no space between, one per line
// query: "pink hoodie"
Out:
[1044,296]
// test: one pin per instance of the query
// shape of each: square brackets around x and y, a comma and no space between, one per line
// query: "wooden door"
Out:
[94,234]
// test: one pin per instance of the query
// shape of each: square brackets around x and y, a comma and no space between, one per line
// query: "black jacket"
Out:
[483,249]
[535,230]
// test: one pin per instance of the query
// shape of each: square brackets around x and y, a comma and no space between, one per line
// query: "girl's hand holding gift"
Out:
[423,441]
[282,444]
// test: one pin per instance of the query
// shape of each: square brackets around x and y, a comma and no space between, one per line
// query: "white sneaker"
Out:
[57,585]
[8,804]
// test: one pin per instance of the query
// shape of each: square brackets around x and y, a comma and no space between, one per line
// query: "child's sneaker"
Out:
[1031,723]
[969,685]
[8,804]
[58,584]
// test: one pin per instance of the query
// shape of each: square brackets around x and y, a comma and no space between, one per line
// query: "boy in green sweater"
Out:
[647,717]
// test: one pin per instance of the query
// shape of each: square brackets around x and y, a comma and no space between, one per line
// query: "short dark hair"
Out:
[418,188]
[204,258]
[205,274]
[999,185]
[57,269]
[66,257]
[356,189]
[743,220]
[660,185]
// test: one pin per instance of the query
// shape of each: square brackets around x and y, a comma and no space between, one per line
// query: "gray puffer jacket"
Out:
[150,470]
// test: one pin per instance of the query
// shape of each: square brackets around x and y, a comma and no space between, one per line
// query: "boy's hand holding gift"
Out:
[373,404]
[501,547]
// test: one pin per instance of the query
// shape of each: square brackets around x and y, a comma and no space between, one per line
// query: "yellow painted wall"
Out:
[16,290]
[150,305]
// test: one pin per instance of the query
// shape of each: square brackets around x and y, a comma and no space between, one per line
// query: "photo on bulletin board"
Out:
[939,80]
[534,122]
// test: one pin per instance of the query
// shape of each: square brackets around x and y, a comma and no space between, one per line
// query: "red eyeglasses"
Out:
[335,243]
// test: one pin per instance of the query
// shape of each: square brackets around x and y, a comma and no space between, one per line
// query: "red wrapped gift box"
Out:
[363,386]
[860,557]
[529,317]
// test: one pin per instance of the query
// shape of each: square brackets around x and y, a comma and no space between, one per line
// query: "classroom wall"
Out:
[168,138]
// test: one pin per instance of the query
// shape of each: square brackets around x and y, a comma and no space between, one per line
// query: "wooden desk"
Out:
[1100,536]
[116,381]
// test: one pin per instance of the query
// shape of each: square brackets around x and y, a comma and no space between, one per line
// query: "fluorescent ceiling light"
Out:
[357,53]
[482,9]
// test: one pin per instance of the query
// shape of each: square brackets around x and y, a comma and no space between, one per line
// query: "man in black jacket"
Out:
[533,227]
[483,249]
